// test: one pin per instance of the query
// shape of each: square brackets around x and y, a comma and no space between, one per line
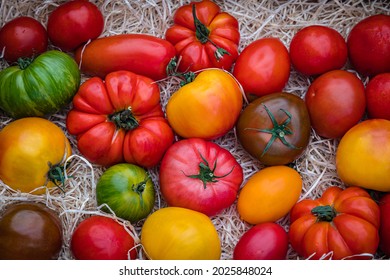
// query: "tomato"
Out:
[33,151]
[126,189]
[265,241]
[74,23]
[204,36]
[207,107]
[275,128]
[30,231]
[336,101]
[378,97]
[263,67]
[102,238]
[317,49]
[36,88]
[175,233]
[120,119]
[269,194]
[363,155]
[341,224]
[369,45]
[142,54]
[199,175]
[384,229]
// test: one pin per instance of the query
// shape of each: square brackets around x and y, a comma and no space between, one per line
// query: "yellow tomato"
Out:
[363,155]
[269,194]
[29,148]
[175,233]
[206,108]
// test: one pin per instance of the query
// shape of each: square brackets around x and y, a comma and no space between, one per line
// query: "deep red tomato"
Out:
[204,36]
[74,23]
[378,97]
[369,45]
[317,49]
[336,101]
[265,241]
[22,37]
[120,119]
[200,175]
[384,230]
[102,238]
[263,67]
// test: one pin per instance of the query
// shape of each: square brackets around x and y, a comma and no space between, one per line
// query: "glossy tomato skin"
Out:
[384,230]
[369,44]
[200,175]
[263,67]
[317,49]
[378,97]
[23,37]
[363,155]
[120,119]
[255,118]
[102,238]
[336,101]
[199,52]
[74,23]
[30,231]
[265,241]
[341,224]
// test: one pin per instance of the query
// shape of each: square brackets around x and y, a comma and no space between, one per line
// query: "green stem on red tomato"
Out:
[124,119]
[324,213]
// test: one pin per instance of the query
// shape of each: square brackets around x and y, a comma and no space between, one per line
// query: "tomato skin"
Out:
[370,36]
[351,230]
[74,23]
[22,37]
[30,231]
[142,54]
[265,241]
[378,97]
[263,67]
[255,117]
[363,155]
[317,49]
[196,54]
[384,230]
[210,195]
[336,101]
[102,238]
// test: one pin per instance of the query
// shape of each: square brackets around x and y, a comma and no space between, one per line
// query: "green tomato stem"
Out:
[124,119]
[324,213]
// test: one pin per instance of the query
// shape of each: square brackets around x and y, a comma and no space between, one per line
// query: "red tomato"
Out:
[336,101]
[22,37]
[369,45]
[317,49]
[102,238]
[74,23]
[378,97]
[120,119]
[200,175]
[266,241]
[263,67]
[204,36]
[384,230]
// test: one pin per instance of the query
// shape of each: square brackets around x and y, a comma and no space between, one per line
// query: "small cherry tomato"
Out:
[378,97]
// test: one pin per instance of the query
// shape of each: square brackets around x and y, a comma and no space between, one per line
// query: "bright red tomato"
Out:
[74,23]
[200,175]
[378,97]
[336,101]
[384,230]
[102,238]
[22,37]
[263,67]
[317,49]
[369,45]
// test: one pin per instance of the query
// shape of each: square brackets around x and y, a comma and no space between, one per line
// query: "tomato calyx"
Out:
[140,188]
[124,119]
[24,62]
[187,77]
[324,213]
[56,174]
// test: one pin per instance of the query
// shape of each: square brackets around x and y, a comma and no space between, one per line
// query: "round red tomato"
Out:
[263,67]
[102,238]
[266,241]
[200,175]
[384,229]
[378,97]
[317,49]
[22,37]
[74,23]
[336,102]
[369,45]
